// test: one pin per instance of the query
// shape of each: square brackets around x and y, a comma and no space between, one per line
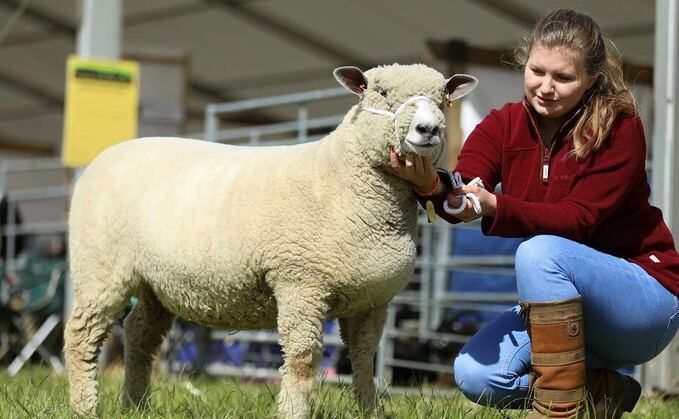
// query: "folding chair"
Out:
[35,296]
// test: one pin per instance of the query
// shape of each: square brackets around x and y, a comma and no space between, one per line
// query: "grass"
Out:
[40,393]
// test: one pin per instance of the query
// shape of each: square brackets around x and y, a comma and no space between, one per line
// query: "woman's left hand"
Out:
[416,169]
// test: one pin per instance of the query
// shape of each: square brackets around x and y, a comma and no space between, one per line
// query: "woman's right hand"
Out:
[487,200]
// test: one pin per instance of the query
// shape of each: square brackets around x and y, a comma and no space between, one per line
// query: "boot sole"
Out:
[633,394]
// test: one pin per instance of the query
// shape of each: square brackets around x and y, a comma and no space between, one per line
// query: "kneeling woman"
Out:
[598,273]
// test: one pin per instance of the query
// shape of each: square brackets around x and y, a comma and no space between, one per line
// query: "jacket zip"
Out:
[546,153]
[544,173]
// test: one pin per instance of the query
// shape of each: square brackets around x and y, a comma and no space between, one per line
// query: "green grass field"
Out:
[40,393]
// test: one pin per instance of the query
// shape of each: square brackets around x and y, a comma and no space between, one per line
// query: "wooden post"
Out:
[454,53]
[453,132]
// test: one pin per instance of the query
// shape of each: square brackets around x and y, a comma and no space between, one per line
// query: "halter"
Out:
[392,115]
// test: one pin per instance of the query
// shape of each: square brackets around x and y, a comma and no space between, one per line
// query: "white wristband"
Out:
[454,211]
[475,203]
[457,183]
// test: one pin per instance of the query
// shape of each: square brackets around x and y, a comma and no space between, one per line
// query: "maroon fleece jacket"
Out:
[600,201]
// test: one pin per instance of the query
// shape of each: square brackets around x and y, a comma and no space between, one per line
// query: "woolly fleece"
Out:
[247,238]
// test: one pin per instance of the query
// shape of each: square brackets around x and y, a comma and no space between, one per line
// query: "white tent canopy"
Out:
[238,49]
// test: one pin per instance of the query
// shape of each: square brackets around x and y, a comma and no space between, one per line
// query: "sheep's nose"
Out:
[427,129]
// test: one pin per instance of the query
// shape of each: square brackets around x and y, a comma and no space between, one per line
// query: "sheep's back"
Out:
[176,213]
[212,229]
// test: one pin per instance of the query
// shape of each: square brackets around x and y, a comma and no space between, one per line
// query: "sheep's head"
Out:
[404,104]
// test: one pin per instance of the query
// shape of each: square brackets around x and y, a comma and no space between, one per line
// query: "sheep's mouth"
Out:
[425,145]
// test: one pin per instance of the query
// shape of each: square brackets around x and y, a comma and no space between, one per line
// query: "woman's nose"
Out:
[547,87]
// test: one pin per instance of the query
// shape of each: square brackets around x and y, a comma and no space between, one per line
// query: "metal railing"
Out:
[11,231]
[253,134]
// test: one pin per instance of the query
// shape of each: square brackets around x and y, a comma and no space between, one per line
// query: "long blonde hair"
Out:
[608,97]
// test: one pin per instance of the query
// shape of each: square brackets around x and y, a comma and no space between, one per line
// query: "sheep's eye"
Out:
[382,92]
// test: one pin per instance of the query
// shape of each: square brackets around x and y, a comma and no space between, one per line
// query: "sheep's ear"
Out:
[460,85]
[352,79]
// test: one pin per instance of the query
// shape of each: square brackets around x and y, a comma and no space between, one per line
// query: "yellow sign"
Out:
[102,100]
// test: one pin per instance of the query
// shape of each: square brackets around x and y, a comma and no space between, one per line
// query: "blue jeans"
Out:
[629,318]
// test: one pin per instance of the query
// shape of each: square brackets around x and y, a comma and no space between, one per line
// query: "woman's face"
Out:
[555,80]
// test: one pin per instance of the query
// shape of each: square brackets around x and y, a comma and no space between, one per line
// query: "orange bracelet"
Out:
[431,190]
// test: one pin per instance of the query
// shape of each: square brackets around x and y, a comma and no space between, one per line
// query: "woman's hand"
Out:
[416,169]
[487,200]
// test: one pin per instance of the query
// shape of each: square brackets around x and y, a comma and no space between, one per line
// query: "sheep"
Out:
[238,238]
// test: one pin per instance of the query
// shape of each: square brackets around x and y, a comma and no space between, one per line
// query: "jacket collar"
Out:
[565,128]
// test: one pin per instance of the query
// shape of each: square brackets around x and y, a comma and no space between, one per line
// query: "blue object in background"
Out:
[472,242]
[238,353]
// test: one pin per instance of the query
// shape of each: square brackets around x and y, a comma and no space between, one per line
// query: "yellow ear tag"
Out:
[449,102]
[431,215]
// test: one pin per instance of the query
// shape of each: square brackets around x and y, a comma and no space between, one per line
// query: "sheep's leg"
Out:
[300,324]
[85,331]
[362,335]
[145,328]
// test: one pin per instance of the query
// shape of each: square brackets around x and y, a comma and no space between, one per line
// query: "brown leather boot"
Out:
[557,357]
[611,393]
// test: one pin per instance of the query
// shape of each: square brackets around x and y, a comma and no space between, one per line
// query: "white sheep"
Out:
[255,237]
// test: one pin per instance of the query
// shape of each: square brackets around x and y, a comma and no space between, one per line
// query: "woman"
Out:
[570,157]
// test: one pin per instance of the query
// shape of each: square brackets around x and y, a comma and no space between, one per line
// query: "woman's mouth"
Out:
[545,102]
